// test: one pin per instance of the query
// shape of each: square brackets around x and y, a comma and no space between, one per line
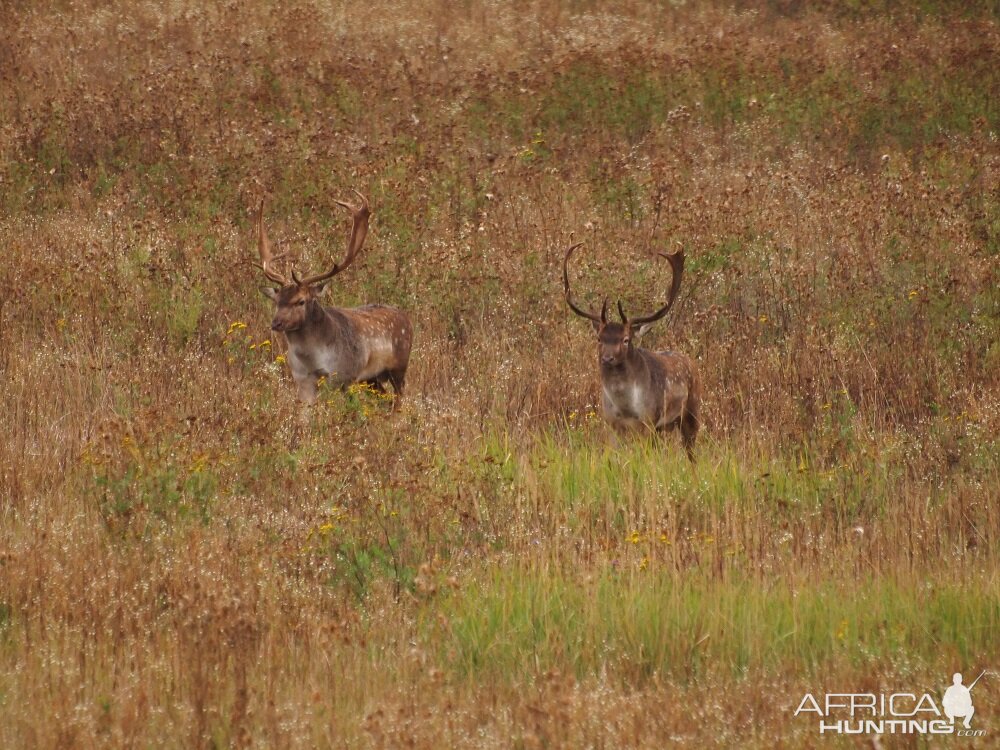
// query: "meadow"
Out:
[191,559]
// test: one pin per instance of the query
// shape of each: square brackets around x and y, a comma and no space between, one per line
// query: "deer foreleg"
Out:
[307,389]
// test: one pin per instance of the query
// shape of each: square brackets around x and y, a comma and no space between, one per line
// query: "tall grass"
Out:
[190,559]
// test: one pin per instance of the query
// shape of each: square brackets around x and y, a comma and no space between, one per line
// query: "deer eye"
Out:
[625,341]
[300,302]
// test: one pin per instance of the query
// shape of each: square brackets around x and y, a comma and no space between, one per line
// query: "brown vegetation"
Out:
[483,569]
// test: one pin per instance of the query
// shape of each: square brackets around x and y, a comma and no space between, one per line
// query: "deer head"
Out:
[616,340]
[297,299]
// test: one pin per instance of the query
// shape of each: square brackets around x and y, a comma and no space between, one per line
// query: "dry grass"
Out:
[188,561]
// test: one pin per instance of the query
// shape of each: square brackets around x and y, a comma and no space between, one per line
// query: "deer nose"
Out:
[277,325]
[607,358]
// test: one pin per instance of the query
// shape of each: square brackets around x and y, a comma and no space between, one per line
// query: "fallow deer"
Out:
[369,344]
[643,389]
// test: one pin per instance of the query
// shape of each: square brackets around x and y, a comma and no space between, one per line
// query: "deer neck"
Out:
[327,344]
[632,369]
[626,390]
[321,324]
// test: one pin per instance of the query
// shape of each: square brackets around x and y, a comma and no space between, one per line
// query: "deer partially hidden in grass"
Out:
[369,344]
[643,389]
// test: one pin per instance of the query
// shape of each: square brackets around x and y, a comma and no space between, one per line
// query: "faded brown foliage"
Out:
[186,560]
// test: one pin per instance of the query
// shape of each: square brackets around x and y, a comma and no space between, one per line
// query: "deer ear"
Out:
[598,325]
[269,292]
[320,289]
[638,332]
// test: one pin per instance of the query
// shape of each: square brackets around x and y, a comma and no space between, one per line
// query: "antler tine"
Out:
[621,311]
[264,248]
[677,267]
[603,318]
[359,231]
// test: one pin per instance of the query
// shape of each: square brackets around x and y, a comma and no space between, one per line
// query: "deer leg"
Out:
[306,388]
[679,414]
[689,429]
[307,392]
[377,383]
[398,378]
[668,427]
[624,430]
[618,434]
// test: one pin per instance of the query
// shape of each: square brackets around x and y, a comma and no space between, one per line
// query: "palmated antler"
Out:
[603,317]
[264,246]
[677,266]
[359,230]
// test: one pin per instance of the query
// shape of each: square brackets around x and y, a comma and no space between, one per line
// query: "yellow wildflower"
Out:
[842,630]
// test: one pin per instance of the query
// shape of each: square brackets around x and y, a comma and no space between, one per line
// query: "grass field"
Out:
[191,559]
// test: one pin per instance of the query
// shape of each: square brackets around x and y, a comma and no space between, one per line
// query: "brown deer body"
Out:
[643,389]
[369,344]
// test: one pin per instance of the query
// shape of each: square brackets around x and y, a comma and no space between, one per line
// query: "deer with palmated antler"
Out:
[369,344]
[643,389]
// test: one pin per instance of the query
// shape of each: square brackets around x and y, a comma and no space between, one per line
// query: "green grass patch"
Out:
[611,488]
[519,621]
